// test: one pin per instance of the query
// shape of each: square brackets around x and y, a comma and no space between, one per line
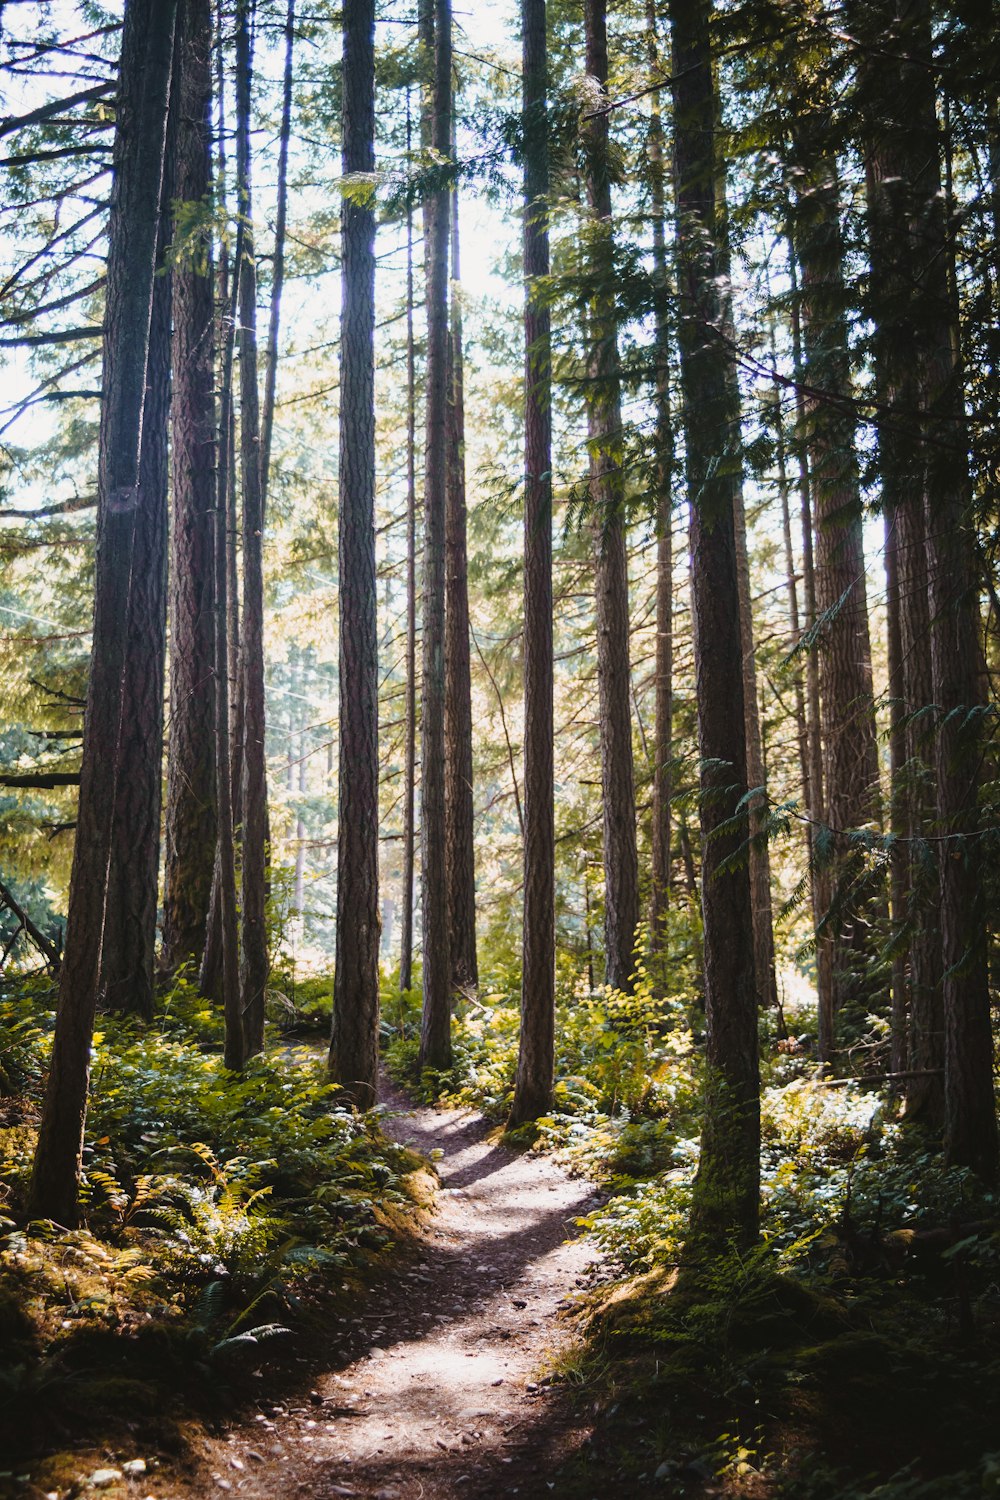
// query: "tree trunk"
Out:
[760,861]
[143,95]
[924,320]
[191,798]
[278,264]
[129,944]
[818,873]
[435,1029]
[536,1050]
[460,851]
[727,1185]
[850,771]
[223,949]
[604,428]
[354,1043]
[891,166]
[410,730]
[254,966]
[898,822]
[664,483]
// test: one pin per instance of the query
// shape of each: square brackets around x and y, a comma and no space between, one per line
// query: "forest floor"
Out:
[442,1383]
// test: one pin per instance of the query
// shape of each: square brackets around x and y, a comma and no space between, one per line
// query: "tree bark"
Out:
[850,770]
[254,964]
[727,1185]
[224,950]
[664,482]
[460,855]
[923,318]
[128,946]
[535,1060]
[604,428]
[278,263]
[760,861]
[435,1029]
[410,730]
[892,163]
[191,794]
[354,1044]
[818,873]
[142,102]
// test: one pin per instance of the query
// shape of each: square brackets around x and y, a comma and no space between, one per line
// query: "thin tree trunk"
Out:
[535,1060]
[143,96]
[225,923]
[191,794]
[278,263]
[410,752]
[664,481]
[727,1185]
[435,1030]
[760,862]
[254,966]
[354,1043]
[460,852]
[898,820]
[819,874]
[604,426]
[210,979]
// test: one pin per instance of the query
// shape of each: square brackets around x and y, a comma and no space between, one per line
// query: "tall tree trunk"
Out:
[222,947]
[460,852]
[536,1050]
[435,1029]
[892,163]
[604,427]
[899,892]
[354,1044]
[760,861]
[191,799]
[794,616]
[410,730]
[727,1185]
[924,320]
[278,263]
[129,943]
[254,966]
[664,482]
[850,771]
[143,96]
[819,875]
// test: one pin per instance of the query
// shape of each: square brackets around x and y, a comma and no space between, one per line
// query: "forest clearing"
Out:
[499,757]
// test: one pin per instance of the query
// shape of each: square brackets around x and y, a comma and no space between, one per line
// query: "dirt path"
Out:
[440,1394]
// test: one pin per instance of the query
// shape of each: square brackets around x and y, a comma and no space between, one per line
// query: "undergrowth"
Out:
[854,1353]
[217,1211]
